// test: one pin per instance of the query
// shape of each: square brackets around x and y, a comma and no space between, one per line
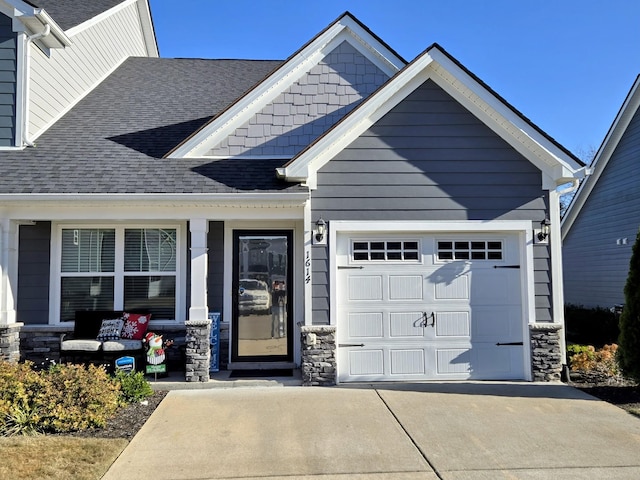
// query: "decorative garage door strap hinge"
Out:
[351,345]
[350,267]
[506,266]
[508,343]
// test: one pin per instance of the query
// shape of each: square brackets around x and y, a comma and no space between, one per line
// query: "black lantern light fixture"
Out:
[545,229]
[321,228]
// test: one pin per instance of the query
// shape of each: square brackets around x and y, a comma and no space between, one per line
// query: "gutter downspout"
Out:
[27,77]
[575,183]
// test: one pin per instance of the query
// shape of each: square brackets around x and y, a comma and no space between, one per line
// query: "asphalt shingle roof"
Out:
[114,140]
[69,13]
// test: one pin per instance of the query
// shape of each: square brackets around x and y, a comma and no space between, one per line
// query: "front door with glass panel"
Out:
[262,296]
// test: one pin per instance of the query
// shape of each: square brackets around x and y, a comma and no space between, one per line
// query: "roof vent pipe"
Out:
[27,76]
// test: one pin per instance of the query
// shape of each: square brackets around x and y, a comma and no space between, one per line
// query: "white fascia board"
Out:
[519,133]
[148,29]
[358,121]
[346,29]
[99,18]
[603,155]
[156,198]
[436,66]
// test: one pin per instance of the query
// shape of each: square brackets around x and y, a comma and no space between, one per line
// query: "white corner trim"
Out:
[345,29]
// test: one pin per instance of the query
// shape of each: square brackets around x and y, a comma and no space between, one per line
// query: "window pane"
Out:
[85,293]
[88,250]
[154,294]
[150,250]
[360,246]
[411,245]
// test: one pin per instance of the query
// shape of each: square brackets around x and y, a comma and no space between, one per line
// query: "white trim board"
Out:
[436,65]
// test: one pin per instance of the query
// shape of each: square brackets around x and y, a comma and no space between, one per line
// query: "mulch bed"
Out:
[615,390]
[127,420]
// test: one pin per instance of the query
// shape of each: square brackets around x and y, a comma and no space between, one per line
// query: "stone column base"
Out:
[546,355]
[198,350]
[10,342]
[318,355]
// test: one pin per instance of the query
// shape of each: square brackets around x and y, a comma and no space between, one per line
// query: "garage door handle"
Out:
[351,345]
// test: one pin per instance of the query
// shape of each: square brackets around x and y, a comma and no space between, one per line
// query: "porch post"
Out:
[198,326]
[9,329]
[199,310]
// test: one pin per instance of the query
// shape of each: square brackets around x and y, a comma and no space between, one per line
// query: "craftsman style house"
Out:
[348,213]
[602,222]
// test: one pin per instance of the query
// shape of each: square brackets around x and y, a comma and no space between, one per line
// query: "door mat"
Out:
[282,372]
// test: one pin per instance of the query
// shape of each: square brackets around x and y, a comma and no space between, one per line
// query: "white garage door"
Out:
[429,307]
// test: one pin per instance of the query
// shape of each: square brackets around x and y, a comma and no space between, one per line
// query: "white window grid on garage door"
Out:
[385,250]
[448,250]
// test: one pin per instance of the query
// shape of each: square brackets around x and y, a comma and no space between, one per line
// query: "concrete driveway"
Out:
[398,431]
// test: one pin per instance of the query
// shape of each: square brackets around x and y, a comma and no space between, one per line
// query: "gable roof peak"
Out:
[345,28]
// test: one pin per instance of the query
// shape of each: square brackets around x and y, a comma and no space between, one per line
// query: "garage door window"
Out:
[469,250]
[382,250]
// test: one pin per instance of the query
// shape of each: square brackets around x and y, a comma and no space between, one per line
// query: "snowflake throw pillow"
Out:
[135,326]
[110,330]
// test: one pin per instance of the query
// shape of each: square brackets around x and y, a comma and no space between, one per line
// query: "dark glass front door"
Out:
[262,296]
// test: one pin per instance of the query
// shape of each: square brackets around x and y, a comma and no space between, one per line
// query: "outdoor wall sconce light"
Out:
[545,229]
[321,229]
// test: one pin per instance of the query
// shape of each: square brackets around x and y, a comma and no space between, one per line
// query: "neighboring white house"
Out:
[602,222]
[403,217]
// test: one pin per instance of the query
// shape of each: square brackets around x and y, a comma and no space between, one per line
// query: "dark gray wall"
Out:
[8,45]
[215,282]
[33,273]
[429,159]
[595,266]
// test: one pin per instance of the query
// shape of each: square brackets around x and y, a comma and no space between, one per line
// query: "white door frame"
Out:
[523,228]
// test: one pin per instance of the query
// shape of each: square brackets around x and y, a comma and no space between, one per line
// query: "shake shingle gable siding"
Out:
[113,141]
[70,13]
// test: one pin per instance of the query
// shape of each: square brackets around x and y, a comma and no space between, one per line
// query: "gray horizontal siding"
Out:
[595,266]
[33,273]
[8,75]
[430,159]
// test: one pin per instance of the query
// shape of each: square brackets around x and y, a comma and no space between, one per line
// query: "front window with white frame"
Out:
[119,268]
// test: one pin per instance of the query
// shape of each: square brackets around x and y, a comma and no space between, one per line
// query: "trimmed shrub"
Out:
[629,353]
[62,398]
[585,358]
[590,326]
[133,386]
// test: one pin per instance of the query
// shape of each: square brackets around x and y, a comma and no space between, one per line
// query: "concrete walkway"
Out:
[399,431]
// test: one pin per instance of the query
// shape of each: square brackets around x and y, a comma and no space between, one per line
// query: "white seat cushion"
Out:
[121,345]
[80,345]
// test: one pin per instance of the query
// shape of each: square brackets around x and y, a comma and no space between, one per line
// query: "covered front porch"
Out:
[214,252]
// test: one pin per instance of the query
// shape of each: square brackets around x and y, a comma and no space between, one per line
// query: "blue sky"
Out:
[565,64]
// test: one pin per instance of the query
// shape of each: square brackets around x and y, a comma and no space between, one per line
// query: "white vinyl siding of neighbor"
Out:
[61,80]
